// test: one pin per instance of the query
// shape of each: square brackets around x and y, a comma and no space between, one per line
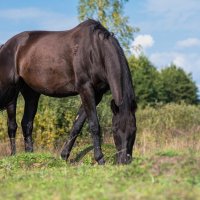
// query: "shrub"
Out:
[170,125]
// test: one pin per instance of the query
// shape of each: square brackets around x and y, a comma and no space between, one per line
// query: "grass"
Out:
[161,175]
[166,161]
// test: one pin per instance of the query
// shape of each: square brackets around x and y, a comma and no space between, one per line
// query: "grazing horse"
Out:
[87,61]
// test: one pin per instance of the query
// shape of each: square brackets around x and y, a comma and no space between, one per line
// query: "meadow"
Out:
[165,165]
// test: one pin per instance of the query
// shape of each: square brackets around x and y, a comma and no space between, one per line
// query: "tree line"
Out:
[153,86]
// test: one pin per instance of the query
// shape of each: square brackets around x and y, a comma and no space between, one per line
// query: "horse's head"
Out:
[124,131]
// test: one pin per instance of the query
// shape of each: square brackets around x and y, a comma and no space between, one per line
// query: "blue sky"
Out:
[169,29]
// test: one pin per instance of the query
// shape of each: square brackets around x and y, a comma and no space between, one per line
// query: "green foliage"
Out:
[168,153]
[171,125]
[172,84]
[3,126]
[54,120]
[145,78]
[170,116]
[165,166]
[177,86]
[30,161]
[52,123]
[154,177]
[110,14]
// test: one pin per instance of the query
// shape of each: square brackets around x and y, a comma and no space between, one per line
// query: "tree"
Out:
[110,14]
[171,84]
[145,79]
[177,86]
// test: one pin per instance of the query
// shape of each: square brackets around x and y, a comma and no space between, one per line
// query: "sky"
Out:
[169,29]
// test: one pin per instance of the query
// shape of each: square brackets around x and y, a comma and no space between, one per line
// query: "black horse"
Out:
[86,60]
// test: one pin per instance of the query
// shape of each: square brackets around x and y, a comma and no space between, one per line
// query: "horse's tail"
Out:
[8,83]
[7,96]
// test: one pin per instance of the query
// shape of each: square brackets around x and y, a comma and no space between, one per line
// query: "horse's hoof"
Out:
[12,153]
[101,161]
[28,147]
[28,150]
[64,156]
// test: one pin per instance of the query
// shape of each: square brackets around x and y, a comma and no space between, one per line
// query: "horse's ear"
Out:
[114,107]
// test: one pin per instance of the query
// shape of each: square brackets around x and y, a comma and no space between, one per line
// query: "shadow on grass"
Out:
[108,150]
[80,155]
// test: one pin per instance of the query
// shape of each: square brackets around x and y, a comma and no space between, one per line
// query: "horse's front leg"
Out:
[89,103]
[12,125]
[77,126]
[31,103]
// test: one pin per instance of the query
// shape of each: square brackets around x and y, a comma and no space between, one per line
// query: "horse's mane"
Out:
[96,26]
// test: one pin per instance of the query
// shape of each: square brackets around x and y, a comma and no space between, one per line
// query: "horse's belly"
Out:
[49,83]
[49,77]
[60,91]
[54,90]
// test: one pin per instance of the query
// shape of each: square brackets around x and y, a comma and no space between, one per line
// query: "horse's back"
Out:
[48,61]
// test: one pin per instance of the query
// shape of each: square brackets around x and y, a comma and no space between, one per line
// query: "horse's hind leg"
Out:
[12,125]
[78,124]
[31,103]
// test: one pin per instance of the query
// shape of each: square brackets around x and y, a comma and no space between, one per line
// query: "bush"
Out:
[158,127]
[170,126]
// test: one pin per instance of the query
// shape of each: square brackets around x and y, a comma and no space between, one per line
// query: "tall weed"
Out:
[170,126]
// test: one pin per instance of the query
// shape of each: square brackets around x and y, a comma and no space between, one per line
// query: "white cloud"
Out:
[162,59]
[181,61]
[190,42]
[141,43]
[189,62]
[146,41]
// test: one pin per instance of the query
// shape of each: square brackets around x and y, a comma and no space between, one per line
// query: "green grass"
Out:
[166,163]
[168,153]
[163,175]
